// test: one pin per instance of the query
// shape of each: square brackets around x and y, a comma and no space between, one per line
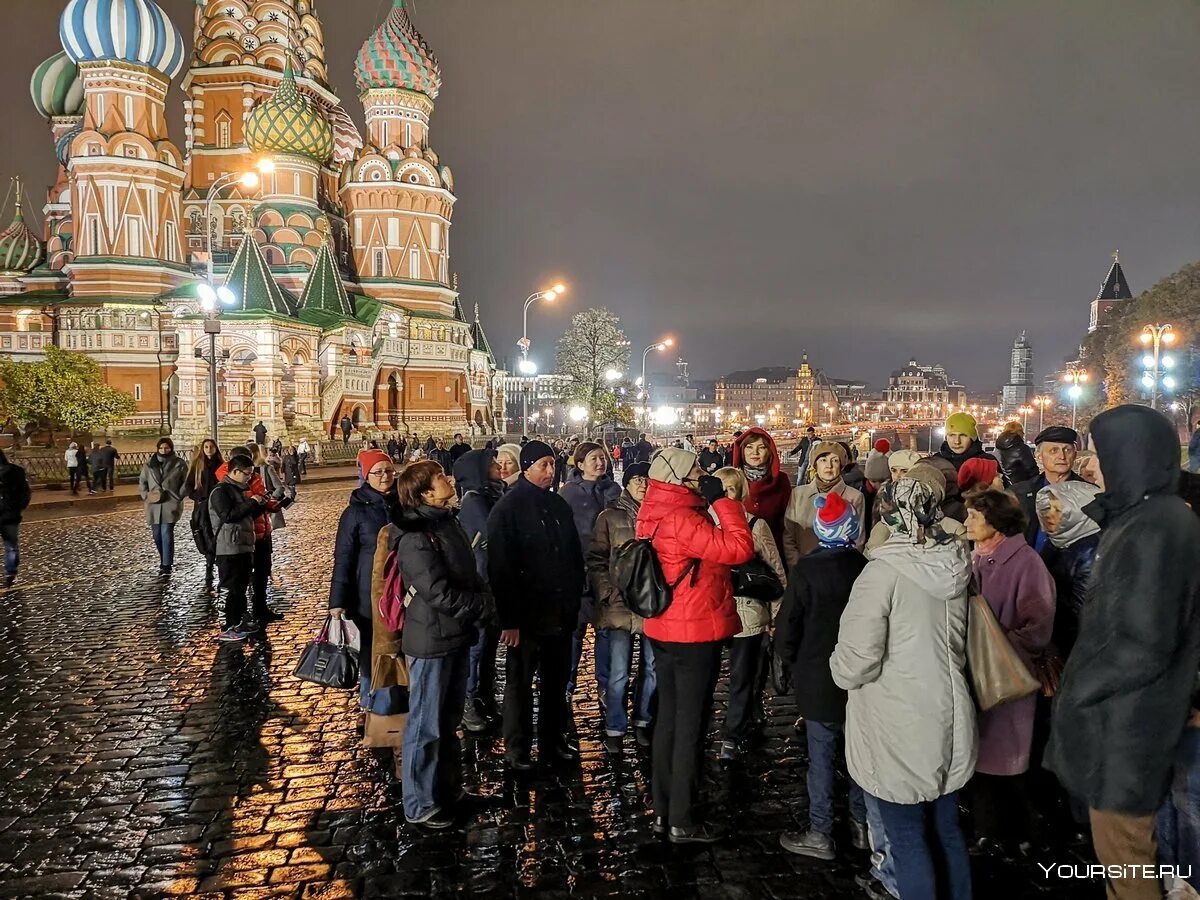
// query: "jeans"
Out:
[905,825]
[262,571]
[164,540]
[600,652]
[431,770]
[822,757]
[745,660]
[10,533]
[883,862]
[620,664]
[235,574]
[548,657]
[1179,818]
[76,477]
[687,676]
[481,680]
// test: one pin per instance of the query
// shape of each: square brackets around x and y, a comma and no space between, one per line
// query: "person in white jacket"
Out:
[911,739]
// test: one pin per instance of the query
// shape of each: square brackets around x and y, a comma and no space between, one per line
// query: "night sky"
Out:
[865,180]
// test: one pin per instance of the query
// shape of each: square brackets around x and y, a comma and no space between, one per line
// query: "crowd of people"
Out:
[852,587]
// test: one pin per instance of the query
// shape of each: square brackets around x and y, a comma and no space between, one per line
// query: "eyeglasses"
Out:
[382,473]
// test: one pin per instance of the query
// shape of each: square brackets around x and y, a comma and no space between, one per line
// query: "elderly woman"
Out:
[829,458]
[509,458]
[910,720]
[1017,586]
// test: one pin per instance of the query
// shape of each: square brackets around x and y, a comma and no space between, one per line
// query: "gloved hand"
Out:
[711,488]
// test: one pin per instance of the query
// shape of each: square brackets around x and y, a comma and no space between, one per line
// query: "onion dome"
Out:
[20,249]
[132,31]
[56,88]
[288,122]
[62,147]
[396,56]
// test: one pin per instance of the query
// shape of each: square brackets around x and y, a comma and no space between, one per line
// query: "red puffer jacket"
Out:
[674,518]
[262,521]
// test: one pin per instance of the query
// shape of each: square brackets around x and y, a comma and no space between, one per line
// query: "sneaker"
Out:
[659,826]
[695,834]
[859,837]
[808,843]
[438,820]
[472,720]
[233,633]
[731,752]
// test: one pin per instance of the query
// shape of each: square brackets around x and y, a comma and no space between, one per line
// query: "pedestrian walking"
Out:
[232,511]
[615,526]
[291,468]
[696,556]
[589,489]
[1017,586]
[910,719]
[162,485]
[260,433]
[303,451]
[802,453]
[97,462]
[477,475]
[642,450]
[828,460]
[535,565]
[818,589]
[347,426]
[748,649]
[201,479]
[448,603]
[1127,689]
[71,458]
[14,499]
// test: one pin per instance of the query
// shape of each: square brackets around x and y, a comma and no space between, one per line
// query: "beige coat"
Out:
[798,535]
[756,615]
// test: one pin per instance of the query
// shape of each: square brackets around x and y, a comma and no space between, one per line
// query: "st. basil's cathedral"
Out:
[345,304]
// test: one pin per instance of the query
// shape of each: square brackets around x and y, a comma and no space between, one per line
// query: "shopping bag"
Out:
[998,675]
[343,631]
[384,731]
[327,663]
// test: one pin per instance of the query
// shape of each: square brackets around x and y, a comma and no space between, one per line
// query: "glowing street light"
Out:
[1075,378]
[549,296]
[659,346]
[1154,337]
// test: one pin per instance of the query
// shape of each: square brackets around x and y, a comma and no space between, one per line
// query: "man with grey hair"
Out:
[1056,449]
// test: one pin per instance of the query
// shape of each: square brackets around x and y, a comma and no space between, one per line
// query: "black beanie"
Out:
[533,451]
[635,470]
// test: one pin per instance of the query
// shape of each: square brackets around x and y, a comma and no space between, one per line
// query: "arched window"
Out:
[414,263]
[380,264]
[224,128]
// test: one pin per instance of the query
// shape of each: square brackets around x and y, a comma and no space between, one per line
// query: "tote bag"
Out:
[998,674]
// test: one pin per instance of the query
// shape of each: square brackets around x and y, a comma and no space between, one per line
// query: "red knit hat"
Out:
[979,470]
[836,522]
[369,459]
[883,445]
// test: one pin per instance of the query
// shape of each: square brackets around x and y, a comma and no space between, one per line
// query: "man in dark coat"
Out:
[458,448]
[109,456]
[1056,449]
[1126,691]
[535,563]
[440,455]
[711,457]
[642,450]
[347,426]
[14,497]
[260,433]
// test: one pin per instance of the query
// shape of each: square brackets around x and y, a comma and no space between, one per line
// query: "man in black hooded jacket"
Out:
[1127,688]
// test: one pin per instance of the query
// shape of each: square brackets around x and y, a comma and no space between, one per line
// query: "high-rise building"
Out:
[338,257]
[1020,375]
[1114,289]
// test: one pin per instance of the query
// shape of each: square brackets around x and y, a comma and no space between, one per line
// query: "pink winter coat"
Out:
[1020,591]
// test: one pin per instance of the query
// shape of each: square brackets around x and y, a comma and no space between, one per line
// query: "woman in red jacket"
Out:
[687,638]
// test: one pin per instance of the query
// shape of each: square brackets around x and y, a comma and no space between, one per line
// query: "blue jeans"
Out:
[600,649]
[905,824]
[164,540]
[822,758]
[481,680]
[883,864]
[12,547]
[1179,819]
[431,771]
[620,664]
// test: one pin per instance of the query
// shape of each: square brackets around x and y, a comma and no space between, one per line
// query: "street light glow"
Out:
[249,180]
[612,375]
[578,414]
[226,295]
[559,289]
[208,297]
[527,367]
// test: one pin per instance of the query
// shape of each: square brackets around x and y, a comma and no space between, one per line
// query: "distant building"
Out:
[781,397]
[921,385]
[1020,376]
[1113,291]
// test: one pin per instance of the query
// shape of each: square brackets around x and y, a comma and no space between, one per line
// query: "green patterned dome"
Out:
[20,249]
[56,88]
[289,122]
[396,56]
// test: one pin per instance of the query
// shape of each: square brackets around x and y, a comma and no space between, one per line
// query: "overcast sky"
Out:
[868,180]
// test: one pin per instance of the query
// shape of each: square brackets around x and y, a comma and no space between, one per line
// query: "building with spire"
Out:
[338,257]
[1018,390]
[1114,290]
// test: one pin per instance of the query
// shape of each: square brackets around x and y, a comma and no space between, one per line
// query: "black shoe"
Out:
[9,580]
[859,837]
[271,616]
[613,744]
[473,721]
[564,751]
[439,821]
[643,735]
[659,825]
[872,886]
[695,834]
[520,763]
[164,570]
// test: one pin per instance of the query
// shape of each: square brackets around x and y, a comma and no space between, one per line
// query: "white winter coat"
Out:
[901,655]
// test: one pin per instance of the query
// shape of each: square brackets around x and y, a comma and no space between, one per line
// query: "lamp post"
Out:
[1075,377]
[1041,403]
[660,345]
[1155,336]
[555,292]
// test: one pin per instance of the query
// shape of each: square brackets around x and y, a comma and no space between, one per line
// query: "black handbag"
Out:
[756,580]
[328,664]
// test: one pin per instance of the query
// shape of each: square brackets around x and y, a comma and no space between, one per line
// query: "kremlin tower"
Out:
[337,256]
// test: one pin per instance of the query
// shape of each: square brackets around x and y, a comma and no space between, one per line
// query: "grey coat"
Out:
[232,513]
[276,490]
[901,657]
[168,478]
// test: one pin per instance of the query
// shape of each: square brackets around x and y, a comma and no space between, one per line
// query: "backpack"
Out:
[639,577]
[394,599]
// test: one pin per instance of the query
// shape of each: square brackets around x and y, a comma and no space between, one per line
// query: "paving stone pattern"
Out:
[138,758]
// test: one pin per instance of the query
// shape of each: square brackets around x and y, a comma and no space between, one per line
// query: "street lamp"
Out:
[1041,403]
[1075,377]
[1154,363]
[549,296]
[660,346]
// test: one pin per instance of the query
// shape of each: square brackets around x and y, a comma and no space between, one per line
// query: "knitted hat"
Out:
[876,468]
[534,451]
[672,465]
[635,470]
[961,423]
[981,470]
[904,459]
[883,445]
[824,448]
[369,459]
[513,450]
[836,523]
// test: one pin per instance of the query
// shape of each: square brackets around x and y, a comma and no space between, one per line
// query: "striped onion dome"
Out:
[133,31]
[288,122]
[62,147]
[396,56]
[20,249]
[56,88]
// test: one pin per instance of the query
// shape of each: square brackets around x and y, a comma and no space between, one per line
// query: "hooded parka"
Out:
[614,527]
[769,495]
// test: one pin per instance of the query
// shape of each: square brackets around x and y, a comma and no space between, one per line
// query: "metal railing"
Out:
[46,469]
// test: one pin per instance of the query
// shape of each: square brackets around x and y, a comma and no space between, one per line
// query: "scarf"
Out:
[754,473]
[824,487]
[914,511]
[991,545]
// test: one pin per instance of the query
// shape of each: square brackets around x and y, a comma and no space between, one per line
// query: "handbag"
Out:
[998,675]
[329,663]
[756,580]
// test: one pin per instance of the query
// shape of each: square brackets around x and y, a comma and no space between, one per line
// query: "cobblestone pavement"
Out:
[138,758]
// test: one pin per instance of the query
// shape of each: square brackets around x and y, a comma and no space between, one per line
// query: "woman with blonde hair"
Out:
[746,653]
[509,457]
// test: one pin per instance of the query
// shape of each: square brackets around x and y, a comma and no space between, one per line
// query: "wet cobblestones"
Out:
[138,758]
